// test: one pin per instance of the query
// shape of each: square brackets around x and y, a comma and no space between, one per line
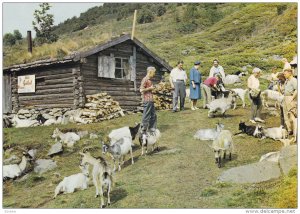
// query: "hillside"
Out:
[238,34]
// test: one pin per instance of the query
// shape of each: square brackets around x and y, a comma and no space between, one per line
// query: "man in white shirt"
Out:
[217,69]
[177,80]
[254,91]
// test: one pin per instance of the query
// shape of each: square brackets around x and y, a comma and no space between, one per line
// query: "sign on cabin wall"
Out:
[26,84]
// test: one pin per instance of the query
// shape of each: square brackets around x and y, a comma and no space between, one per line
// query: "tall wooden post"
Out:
[29,41]
[133,25]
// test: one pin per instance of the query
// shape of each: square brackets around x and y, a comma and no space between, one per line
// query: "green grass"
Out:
[185,178]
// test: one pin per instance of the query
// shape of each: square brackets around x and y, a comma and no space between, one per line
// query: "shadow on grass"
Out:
[117,195]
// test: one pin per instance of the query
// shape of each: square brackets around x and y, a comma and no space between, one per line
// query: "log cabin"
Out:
[116,67]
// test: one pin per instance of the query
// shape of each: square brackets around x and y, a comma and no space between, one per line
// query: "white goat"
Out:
[222,104]
[119,150]
[231,79]
[241,93]
[18,123]
[275,133]
[147,139]
[209,134]
[223,143]
[51,121]
[73,182]
[15,170]
[126,131]
[68,138]
[271,95]
[102,175]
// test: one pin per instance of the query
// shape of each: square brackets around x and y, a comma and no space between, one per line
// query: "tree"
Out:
[9,39]
[43,25]
[145,16]
[17,35]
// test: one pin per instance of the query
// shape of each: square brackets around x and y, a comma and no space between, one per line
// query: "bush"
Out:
[187,27]
[281,9]
[145,16]
[9,39]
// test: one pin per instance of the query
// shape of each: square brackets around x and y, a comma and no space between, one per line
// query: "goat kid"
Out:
[13,171]
[223,143]
[69,138]
[275,133]
[241,93]
[119,150]
[126,131]
[231,79]
[148,139]
[209,134]
[73,182]
[18,123]
[222,104]
[271,95]
[102,176]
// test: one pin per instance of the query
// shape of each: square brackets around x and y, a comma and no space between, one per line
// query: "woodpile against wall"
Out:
[100,107]
[162,96]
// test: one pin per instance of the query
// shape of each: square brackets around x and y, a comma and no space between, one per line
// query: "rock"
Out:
[251,173]
[55,149]
[244,68]
[23,111]
[93,136]
[271,156]
[288,158]
[43,165]
[277,57]
[32,153]
[12,160]
[82,133]
[20,116]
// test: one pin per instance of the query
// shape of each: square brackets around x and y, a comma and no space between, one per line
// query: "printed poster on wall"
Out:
[26,84]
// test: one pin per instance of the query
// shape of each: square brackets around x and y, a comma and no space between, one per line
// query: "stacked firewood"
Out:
[162,96]
[100,107]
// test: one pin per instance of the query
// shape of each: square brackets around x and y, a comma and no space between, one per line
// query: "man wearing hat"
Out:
[195,80]
[254,91]
[177,80]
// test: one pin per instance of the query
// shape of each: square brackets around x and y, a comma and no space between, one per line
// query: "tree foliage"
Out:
[9,39]
[18,35]
[43,25]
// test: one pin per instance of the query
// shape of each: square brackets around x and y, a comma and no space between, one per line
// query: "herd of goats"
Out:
[121,143]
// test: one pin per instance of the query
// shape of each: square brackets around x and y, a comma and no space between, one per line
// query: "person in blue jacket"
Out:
[195,81]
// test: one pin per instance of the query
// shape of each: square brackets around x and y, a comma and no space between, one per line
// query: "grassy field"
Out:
[186,177]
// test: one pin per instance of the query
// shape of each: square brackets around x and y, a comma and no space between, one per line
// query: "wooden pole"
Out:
[133,25]
[29,41]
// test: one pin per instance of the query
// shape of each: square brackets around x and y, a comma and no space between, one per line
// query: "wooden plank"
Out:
[48,96]
[39,102]
[6,94]
[63,80]
[54,76]
[40,86]
[49,106]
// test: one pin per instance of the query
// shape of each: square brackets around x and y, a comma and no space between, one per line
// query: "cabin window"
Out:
[122,70]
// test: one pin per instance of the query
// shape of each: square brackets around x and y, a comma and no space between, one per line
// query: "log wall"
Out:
[56,87]
[121,90]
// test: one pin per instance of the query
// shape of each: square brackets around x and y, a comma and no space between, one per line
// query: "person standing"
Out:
[195,80]
[286,64]
[217,69]
[254,92]
[177,80]
[280,88]
[209,85]
[149,118]
[290,101]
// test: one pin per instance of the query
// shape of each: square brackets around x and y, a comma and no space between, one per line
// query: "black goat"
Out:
[41,119]
[255,131]
[134,130]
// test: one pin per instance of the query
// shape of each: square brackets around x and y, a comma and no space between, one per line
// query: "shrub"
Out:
[145,16]
[9,39]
